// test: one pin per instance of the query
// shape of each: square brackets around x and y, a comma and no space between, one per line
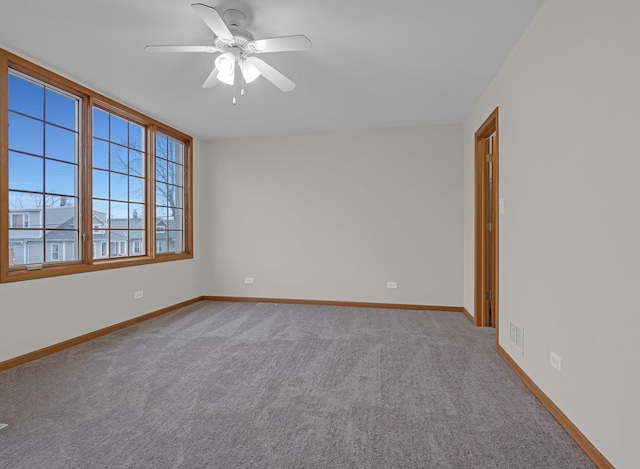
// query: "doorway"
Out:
[486,226]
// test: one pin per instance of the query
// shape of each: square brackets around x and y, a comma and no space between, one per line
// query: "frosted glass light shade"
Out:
[226,64]
[249,71]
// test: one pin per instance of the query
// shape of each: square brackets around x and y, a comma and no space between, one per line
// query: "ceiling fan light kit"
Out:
[237,48]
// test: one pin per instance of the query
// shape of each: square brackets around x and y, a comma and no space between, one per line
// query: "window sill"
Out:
[17,274]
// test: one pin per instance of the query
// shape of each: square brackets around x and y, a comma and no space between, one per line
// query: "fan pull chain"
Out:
[235,87]
[242,77]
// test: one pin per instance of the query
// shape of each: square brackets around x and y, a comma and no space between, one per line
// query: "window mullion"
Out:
[86,182]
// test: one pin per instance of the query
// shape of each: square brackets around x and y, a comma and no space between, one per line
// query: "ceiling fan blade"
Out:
[212,79]
[207,49]
[213,19]
[271,74]
[283,44]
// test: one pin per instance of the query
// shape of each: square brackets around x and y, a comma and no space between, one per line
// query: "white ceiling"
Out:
[373,64]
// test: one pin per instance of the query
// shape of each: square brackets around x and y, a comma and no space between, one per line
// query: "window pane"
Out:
[26,134]
[136,136]
[175,241]
[119,187]
[100,184]
[136,241]
[136,189]
[175,151]
[118,210]
[176,214]
[67,242]
[161,214]
[100,154]
[25,202]
[137,235]
[119,158]
[161,170]
[175,196]
[136,216]
[100,124]
[25,172]
[135,163]
[174,174]
[26,97]
[60,178]
[161,146]
[61,109]
[60,143]
[162,243]
[119,130]
[117,243]
[28,246]
[60,212]
[100,214]
[161,194]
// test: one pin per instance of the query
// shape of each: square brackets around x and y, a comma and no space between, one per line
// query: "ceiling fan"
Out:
[237,47]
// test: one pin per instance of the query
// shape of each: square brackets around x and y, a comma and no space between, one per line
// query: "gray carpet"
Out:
[231,385]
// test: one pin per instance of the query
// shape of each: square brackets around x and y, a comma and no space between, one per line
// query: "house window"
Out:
[18,220]
[170,192]
[55,252]
[43,160]
[133,173]
[100,250]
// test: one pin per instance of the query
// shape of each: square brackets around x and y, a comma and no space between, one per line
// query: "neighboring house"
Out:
[30,242]
[25,236]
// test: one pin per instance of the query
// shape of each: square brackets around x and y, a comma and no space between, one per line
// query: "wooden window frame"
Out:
[9,61]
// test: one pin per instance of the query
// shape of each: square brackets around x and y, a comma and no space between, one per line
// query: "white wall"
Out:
[569,98]
[38,313]
[334,216]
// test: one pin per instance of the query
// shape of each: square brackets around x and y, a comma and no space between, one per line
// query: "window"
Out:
[18,220]
[119,177]
[55,252]
[169,192]
[43,165]
[122,199]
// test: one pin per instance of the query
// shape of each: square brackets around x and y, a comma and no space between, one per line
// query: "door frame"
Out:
[481,314]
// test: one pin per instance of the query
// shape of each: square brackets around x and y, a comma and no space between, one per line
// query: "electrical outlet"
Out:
[392,284]
[248,280]
[556,361]
[138,294]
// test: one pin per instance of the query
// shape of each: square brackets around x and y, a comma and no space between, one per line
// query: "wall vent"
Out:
[516,336]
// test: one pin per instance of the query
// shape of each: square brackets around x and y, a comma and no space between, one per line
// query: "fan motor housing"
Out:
[242,39]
